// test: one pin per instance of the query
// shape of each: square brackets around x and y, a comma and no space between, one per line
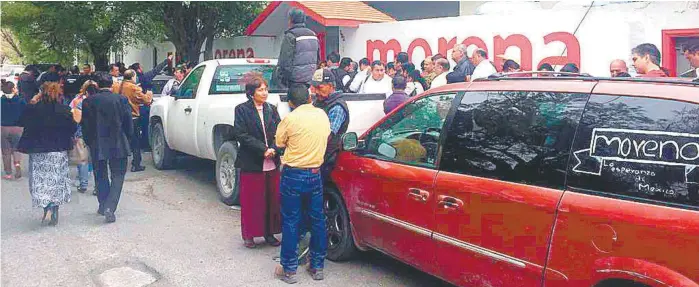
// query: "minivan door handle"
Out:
[418,194]
[449,202]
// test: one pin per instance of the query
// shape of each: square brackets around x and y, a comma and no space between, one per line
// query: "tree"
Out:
[188,25]
[63,28]
[10,49]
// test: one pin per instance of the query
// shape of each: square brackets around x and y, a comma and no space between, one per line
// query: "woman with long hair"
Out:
[416,84]
[88,88]
[47,137]
[254,127]
[12,107]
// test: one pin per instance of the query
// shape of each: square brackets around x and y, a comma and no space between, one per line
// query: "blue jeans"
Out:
[83,174]
[302,187]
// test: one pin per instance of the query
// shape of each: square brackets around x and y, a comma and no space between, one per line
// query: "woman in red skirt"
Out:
[258,159]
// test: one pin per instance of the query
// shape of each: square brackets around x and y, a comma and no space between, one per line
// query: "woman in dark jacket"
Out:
[48,136]
[258,159]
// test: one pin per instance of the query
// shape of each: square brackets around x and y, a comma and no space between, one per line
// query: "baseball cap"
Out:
[323,76]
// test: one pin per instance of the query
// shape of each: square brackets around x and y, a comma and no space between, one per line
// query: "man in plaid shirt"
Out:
[323,85]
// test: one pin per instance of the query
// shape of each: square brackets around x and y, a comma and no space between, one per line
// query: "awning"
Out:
[333,13]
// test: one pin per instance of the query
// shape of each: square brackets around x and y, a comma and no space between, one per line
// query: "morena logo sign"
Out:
[500,45]
[234,53]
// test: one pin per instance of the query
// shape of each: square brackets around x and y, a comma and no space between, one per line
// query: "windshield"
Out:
[231,79]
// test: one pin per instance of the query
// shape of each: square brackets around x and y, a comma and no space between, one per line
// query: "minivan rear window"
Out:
[638,149]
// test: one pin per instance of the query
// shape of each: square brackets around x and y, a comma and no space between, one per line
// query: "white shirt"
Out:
[372,86]
[167,89]
[439,81]
[414,86]
[358,80]
[483,70]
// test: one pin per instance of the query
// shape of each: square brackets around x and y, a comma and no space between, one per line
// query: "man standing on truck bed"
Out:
[330,101]
[299,53]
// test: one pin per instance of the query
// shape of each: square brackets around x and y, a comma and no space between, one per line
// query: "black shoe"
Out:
[137,168]
[94,191]
[46,212]
[100,210]
[109,216]
[54,216]
[82,189]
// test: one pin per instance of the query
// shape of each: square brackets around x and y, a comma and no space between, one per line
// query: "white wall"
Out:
[608,32]
[258,47]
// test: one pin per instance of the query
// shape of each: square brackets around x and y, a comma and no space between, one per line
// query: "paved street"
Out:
[171,230]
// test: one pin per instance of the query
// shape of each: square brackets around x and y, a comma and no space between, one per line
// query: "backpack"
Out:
[346,87]
[363,82]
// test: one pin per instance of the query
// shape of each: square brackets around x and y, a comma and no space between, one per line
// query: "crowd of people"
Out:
[284,163]
[104,113]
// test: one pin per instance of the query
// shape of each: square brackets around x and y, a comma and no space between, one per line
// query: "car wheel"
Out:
[227,175]
[340,241]
[163,156]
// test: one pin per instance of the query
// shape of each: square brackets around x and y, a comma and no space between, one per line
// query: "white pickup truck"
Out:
[198,119]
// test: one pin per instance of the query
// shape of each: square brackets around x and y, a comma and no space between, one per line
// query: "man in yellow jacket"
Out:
[133,92]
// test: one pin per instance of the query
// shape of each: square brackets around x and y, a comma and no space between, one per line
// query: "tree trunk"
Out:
[209,52]
[194,51]
[101,60]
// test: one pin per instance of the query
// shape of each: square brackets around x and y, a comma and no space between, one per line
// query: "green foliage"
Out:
[56,31]
[189,24]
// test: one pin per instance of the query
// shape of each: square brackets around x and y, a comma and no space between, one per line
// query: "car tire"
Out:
[227,176]
[340,241]
[163,156]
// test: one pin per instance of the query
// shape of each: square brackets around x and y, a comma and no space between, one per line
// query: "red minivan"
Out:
[543,181]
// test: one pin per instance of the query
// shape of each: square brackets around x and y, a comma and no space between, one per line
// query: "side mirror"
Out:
[349,141]
[387,150]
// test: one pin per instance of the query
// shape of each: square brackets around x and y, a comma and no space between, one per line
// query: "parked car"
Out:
[11,72]
[198,119]
[159,83]
[513,181]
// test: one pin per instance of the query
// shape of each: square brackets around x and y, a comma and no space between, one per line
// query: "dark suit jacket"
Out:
[107,125]
[461,70]
[247,129]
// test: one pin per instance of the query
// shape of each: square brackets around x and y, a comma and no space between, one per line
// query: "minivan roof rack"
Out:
[553,76]
[538,73]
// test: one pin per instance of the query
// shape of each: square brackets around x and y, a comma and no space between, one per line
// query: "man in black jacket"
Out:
[299,54]
[107,127]
[146,82]
[463,69]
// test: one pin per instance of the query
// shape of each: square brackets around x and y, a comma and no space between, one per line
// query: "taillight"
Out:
[258,61]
